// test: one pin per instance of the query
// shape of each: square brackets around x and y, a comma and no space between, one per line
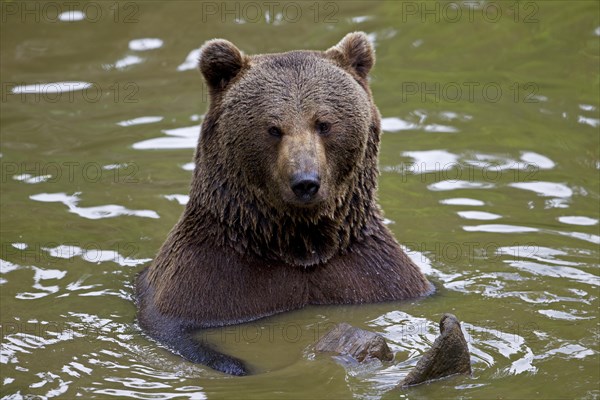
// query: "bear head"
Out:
[287,157]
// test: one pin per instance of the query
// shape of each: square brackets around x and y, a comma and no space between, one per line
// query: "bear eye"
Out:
[275,131]
[323,127]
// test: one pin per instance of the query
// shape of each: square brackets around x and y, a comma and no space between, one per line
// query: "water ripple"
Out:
[568,352]
[94,255]
[41,274]
[562,315]
[555,271]
[395,124]
[414,335]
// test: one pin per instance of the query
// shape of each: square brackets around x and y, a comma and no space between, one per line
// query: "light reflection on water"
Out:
[179,138]
[97,212]
[50,88]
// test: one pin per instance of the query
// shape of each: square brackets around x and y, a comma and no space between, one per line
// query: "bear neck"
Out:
[223,214]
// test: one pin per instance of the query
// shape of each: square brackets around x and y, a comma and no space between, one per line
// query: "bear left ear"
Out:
[220,62]
[354,52]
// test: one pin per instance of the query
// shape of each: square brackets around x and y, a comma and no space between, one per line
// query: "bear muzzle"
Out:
[305,186]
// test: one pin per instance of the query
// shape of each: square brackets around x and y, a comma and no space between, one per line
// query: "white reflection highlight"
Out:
[140,121]
[555,271]
[568,351]
[28,178]
[593,122]
[561,315]
[191,61]
[128,61]
[479,215]
[458,184]
[178,138]
[587,107]
[7,266]
[538,160]
[462,201]
[577,220]
[145,44]
[545,189]
[182,199]
[94,254]
[432,160]
[71,16]
[40,275]
[53,87]
[188,166]
[439,128]
[98,212]
[361,18]
[394,124]
[500,228]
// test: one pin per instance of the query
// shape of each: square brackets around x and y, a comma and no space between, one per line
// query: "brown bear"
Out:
[282,210]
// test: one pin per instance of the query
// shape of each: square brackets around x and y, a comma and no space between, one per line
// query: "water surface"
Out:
[489,178]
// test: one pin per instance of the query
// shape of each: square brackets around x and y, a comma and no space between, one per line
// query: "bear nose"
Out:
[305,185]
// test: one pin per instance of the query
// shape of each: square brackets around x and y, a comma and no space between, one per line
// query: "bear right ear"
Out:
[354,53]
[220,62]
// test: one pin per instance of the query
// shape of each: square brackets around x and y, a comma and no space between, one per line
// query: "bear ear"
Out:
[355,53]
[220,62]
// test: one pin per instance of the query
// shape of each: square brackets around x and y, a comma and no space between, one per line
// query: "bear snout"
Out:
[301,172]
[305,186]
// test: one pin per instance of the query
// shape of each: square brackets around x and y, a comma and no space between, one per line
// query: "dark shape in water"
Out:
[361,345]
[449,355]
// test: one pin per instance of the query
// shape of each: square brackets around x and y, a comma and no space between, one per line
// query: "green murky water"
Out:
[490,177]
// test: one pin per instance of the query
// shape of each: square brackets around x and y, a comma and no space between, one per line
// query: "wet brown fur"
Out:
[243,249]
